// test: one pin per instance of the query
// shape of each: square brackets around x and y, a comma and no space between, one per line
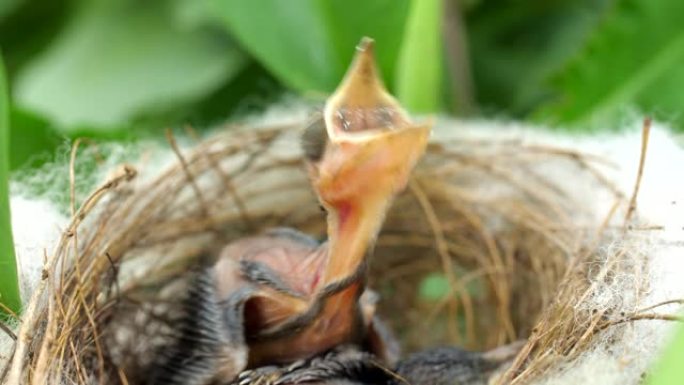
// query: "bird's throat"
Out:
[352,228]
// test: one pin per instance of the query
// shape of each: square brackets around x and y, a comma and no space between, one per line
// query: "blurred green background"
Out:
[124,69]
[119,68]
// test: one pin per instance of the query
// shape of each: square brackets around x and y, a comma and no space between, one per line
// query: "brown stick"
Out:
[645,133]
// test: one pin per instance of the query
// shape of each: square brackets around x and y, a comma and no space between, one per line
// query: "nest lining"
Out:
[504,216]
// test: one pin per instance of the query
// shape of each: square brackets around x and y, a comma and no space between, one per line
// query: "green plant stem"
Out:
[419,71]
[9,283]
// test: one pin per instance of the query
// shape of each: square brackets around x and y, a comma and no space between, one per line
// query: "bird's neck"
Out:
[352,228]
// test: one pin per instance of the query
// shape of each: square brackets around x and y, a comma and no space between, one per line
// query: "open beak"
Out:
[372,146]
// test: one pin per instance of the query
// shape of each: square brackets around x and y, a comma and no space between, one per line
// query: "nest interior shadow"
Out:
[509,242]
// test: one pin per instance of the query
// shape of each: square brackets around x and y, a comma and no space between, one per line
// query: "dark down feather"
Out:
[314,138]
[195,357]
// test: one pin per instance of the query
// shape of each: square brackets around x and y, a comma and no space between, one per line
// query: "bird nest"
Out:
[522,255]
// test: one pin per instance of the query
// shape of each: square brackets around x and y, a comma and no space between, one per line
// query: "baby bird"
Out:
[281,297]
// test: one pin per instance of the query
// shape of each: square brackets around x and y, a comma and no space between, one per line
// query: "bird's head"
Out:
[364,146]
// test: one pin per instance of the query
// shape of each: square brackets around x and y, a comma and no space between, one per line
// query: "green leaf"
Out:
[308,44]
[117,60]
[670,369]
[638,49]
[664,102]
[419,72]
[382,20]
[516,46]
[289,37]
[245,95]
[8,6]
[9,283]
[29,29]
[33,140]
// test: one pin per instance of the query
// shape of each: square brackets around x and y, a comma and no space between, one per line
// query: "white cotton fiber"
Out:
[37,225]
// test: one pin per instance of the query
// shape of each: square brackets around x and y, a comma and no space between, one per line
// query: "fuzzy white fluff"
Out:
[660,203]
[37,223]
